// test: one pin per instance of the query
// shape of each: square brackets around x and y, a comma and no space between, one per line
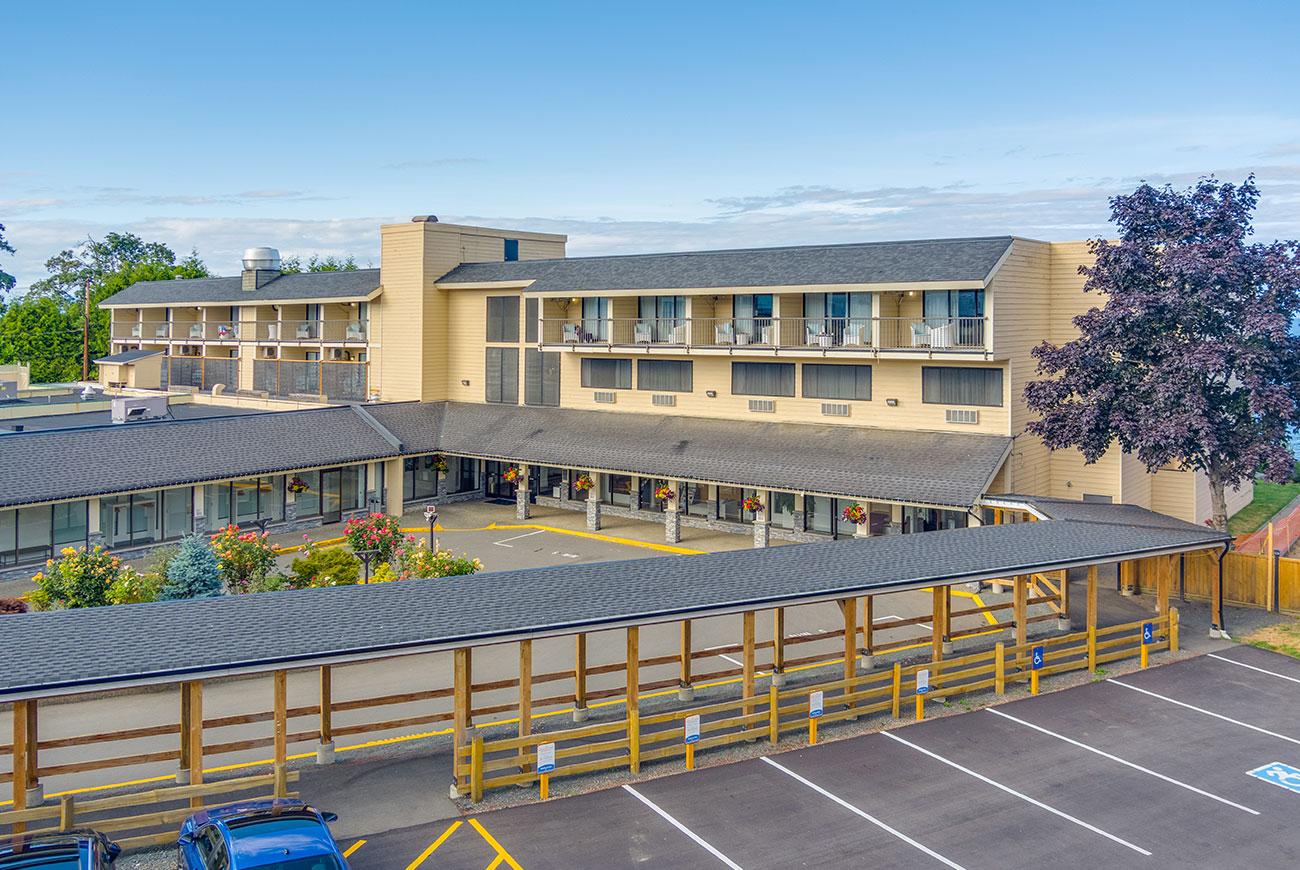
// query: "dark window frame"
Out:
[934,391]
[786,374]
[503,319]
[621,367]
[647,366]
[822,388]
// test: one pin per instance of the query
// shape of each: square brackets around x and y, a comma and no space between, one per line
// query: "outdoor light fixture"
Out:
[712,394]
[893,403]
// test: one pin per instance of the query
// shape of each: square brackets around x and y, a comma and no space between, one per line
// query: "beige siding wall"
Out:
[1173,492]
[1071,477]
[1135,482]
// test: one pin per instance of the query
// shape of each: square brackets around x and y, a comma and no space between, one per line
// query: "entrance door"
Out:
[331,502]
[496,485]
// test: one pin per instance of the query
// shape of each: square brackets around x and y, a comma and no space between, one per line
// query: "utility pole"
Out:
[85,333]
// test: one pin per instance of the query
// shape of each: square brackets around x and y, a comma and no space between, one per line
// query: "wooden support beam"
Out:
[1165,567]
[525,688]
[633,698]
[684,655]
[21,760]
[462,700]
[33,744]
[778,639]
[936,623]
[868,625]
[194,736]
[326,705]
[947,614]
[280,682]
[1216,600]
[747,653]
[580,671]
[183,762]
[1021,595]
[849,608]
[1092,597]
[1065,593]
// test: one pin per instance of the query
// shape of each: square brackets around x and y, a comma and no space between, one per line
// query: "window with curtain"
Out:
[607,374]
[829,381]
[953,303]
[541,377]
[762,379]
[178,512]
[782,509]
[951,385]
[503,318]
[665,375]
[753,315]
[501,376]
[595,314]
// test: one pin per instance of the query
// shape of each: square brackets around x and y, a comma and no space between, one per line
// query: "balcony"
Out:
[866,334]
[315,331]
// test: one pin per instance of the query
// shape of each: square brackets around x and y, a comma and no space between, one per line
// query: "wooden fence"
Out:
[628,742]
[71,812]
[1249,580]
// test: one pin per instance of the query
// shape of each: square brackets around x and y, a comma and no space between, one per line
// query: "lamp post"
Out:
[431,515]
[366,556]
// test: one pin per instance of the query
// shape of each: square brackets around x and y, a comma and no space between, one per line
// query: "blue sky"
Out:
[632,127]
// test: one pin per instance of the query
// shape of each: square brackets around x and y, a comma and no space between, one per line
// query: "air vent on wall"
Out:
[961,415]
[664,399]
[606,397]
[835,409]
[763,406]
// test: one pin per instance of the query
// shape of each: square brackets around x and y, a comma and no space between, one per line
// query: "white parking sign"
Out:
[692,729]
[922,681]
[546,758]
[814,704]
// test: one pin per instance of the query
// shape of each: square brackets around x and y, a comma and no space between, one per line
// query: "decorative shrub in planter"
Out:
[753,504]
[855,514]
[583,483]
[663,493]
[377,532]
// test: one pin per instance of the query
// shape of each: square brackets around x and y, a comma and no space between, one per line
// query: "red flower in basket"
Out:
[663,493]
[513,473]
[855,514]
[753,504]
[583,483]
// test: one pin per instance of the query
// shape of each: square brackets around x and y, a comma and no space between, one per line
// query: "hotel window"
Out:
[697,500]
[961,311]
[665,375]
[782,507]
[511,249]
[838,314]
[421,477]
[463,474]
[503,318]
[35,534]
[177,512]
[821,381]
[661,315]
[247,501]
[607,374]
[129,519]
[595,318]
[762,379]
[616,489]
[501,377]
[950,385]
[729,498]
[753,315]
[541,377]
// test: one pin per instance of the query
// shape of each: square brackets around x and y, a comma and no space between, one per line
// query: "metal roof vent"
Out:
[425,219]
[261,267]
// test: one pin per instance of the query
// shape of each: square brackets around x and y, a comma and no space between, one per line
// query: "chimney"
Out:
[261,267]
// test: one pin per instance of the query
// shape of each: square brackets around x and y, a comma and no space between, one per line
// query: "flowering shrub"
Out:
[512,474]
[243,557]
[297,484]
[753,504]
[855,514]
[322,566]
[78,578]
[583,483]
[439,464]
[133,587]
[418,562]
[662,492]
[378,532]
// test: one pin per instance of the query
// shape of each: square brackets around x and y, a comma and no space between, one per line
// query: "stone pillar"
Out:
[798,517]
[863,530]
[634,494]
[522,511]
[593,504]
[763,520]
[290,506]
[673,517]
[566,481]
[441,490]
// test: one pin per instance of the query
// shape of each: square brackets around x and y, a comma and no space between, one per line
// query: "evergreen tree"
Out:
[193,573]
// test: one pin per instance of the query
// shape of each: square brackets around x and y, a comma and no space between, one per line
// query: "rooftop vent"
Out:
[425,219]
[127,410]
[261,267]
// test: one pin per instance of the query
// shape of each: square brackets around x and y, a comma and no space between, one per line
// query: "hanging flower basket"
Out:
[583,483]
[752,504]
[440,464]
[512,474]
[663,493]
[297,485]
[855,514]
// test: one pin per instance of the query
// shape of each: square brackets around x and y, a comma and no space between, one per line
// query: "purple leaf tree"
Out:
[1189,362]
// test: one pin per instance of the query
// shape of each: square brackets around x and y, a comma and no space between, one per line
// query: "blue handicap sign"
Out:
[1039,656]
[1148,632]
[1279,774]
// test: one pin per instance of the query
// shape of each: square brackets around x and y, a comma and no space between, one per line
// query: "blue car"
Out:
[69,850]
[275,834]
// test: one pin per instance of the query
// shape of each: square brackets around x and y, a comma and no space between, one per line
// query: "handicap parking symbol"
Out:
[1279,774]
[1039,656]
[1148,633]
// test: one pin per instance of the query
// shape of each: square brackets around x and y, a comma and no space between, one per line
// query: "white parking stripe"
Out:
[679,826]
[1209,713]
[1024,797]
[861,814]
[1253,668]
[502,542]
[1125,762]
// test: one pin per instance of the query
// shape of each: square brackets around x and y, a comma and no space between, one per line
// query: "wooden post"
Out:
[1092,597]
[67,812]
[936,623]
[896,691]
[326,705]
[684,656]
[1064,575]
[462,700]
[183,763]
[33,747]
[21,761]
[280,682]
[747,659]
[1270,563]
[1021,614]
[1161,566]
[580,672]
[1173,629]
[999,669]
[868,625]
[194,736]
[849,608]
[476,768]
[773,714]
[778,640]
[1216,601]
[525,688]
[633,699]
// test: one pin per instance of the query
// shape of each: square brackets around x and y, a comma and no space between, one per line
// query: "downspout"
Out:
[1216,619]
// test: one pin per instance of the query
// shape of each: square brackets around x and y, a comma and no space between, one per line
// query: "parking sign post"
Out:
[1037,658]
[1148,637]
[431,517]
[922,689]
[545,764]
[692,736]
[816,705]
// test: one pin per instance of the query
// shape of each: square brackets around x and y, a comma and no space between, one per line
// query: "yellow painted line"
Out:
[433,847]
[491,841]
[323,542]
[593,536]
[347,853]
[496,862]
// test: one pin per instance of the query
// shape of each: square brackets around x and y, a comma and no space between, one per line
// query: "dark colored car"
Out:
[68,850]
[279,834]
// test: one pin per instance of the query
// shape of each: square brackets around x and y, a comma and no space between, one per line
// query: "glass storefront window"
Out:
[178,512]
[574,492]
[8,537]
[353,483]
[820,514]
[70,524]
[729,503]
[697,499]
[781,506]
[245,498]
[421,476]
[462,474]
[309,499]
[34,533]
[616,489]
[881,514]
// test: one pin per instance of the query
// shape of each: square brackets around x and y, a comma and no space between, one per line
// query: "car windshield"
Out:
[50,861]
[311,862]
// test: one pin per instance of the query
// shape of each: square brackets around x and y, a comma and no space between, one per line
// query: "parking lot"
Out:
[1149,770]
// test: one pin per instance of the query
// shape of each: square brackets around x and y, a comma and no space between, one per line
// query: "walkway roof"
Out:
[64,652]
[338,286]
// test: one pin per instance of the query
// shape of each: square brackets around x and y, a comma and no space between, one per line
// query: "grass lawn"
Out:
[1269,499]
[1283,638]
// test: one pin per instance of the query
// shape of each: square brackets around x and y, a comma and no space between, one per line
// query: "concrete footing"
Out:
[325,753]
[1063,623]
[685,693]
[36,795]
[182,777]
[778,679]
[867,662]
[1126,591]
[580,714]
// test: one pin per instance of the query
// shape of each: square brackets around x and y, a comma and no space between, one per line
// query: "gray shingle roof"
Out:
[76,463]
[867,263]
[128,356]
[86,648]
[300,285]
[86,419]
[1096,512]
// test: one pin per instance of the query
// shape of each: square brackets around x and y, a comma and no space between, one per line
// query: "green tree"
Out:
[193,573]
[293,265]
[7,281]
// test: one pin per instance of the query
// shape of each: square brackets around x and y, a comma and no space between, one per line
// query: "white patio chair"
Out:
[570,333]
[679,334]
[854,334]
[354,331]
[920,335]
[160,331]
[724,334]
[304,330]
[643,333]
[196,330]
[941,336]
